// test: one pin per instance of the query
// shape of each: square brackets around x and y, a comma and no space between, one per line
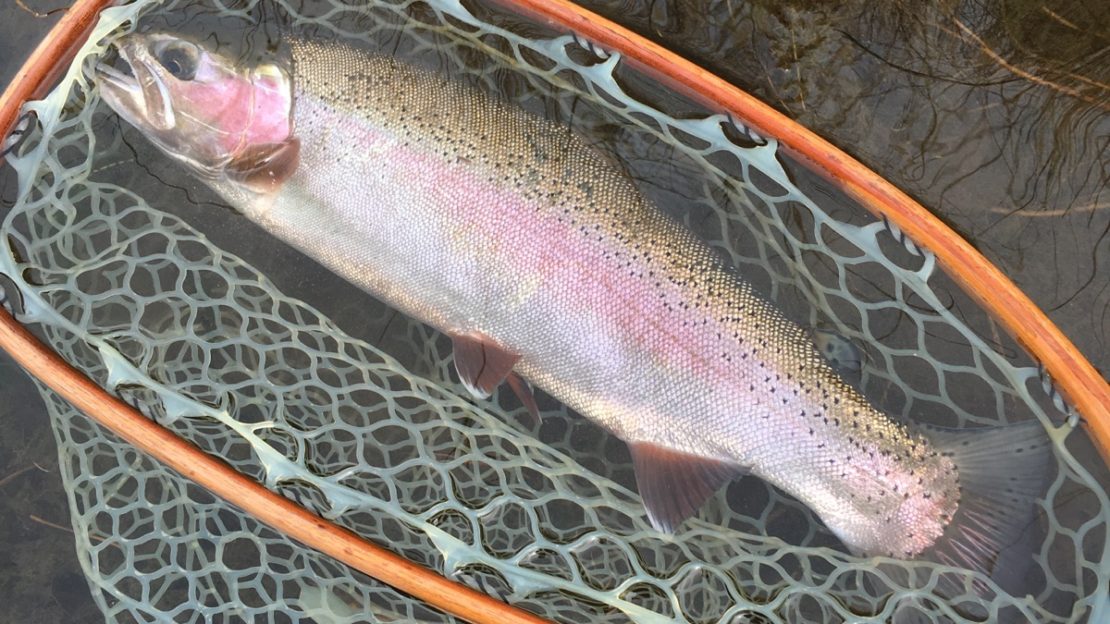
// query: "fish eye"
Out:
[180,59]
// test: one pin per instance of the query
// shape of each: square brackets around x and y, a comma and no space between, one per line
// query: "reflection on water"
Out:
[995,116]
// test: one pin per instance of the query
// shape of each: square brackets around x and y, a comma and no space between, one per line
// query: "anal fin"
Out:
[674,484]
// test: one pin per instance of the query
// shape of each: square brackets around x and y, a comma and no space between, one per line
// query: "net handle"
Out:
[36,76]
[1074,375]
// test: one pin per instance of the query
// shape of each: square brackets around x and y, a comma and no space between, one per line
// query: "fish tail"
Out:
[1003,472]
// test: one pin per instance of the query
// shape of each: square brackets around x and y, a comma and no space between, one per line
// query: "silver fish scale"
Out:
[474,216]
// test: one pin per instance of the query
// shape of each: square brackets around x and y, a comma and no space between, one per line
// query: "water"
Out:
[1002,153]
[40,580]
[1012,163]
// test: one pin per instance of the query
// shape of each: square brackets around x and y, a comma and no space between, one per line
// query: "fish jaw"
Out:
[199,107]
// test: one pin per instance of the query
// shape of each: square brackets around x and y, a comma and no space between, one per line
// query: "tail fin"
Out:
[1003,472]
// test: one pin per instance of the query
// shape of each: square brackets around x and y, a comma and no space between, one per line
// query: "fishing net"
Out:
[136,275]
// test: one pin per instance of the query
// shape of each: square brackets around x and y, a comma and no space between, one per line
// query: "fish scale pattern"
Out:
[378,438]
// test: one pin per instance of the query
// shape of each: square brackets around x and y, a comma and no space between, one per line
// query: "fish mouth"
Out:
[131,83]
[121,77]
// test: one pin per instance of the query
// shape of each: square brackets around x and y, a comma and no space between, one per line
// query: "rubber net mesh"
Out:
[373,431]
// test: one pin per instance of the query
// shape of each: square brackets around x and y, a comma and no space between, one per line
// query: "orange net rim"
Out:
[1074,375]
[36,76]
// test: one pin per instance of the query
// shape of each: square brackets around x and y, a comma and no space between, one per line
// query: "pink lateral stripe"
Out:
[1075,376]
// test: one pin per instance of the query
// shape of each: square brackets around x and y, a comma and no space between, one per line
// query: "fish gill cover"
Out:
[371,431]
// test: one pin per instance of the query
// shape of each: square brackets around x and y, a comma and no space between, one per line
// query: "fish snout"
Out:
[135,82]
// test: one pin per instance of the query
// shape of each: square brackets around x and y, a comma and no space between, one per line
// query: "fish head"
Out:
[230,124]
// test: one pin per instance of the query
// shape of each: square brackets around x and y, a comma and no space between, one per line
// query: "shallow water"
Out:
[40,579]
[1010,151]
[988,156]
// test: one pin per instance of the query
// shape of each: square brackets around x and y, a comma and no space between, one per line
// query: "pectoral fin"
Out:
[674,484]
[265,167]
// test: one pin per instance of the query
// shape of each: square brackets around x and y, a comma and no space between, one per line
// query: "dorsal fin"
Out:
[674,484]
[264,168]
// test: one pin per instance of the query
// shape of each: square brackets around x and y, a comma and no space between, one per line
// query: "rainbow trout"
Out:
[540,258]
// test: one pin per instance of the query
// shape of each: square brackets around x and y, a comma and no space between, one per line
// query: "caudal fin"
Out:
[1004,472]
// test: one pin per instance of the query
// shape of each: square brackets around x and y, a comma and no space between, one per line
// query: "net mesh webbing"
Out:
[372,431]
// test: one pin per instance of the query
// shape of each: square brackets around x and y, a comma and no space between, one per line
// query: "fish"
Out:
[548,267]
